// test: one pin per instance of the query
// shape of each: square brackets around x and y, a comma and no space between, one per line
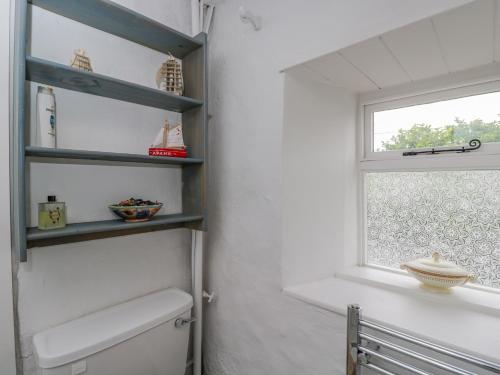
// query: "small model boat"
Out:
[169,142]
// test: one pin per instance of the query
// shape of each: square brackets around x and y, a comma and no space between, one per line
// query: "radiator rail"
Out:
[364,350]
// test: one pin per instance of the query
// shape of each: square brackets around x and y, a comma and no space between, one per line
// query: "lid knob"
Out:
[51,198]
[436,257]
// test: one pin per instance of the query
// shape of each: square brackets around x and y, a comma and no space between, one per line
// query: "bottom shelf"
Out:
[107,228]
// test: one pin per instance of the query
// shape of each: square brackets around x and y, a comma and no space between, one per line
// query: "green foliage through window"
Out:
[461,132]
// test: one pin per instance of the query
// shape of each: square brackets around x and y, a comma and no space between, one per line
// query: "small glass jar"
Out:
[51,214]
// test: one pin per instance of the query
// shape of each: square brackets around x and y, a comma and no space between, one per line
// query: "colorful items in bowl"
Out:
[136,210]
[437,273]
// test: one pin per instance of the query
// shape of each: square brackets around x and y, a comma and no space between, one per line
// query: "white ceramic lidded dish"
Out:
[436,272]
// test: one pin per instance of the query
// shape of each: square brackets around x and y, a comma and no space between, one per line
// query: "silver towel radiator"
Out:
[386,351]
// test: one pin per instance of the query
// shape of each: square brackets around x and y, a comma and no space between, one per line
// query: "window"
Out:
[441,119]
[417,205]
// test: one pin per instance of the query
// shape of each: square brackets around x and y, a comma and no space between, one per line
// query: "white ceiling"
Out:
[460,39]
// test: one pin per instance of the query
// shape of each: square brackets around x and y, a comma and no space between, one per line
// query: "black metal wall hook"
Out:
[474,144]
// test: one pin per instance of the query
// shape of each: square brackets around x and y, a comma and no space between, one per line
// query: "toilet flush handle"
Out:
[181,322]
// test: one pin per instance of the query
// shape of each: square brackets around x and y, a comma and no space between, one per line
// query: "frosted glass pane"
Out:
[456,213]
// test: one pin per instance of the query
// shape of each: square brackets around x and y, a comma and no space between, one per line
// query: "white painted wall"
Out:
[63,282]
[7,348]
[253,328]
[319,123]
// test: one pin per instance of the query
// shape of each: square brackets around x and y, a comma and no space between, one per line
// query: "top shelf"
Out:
[125,23]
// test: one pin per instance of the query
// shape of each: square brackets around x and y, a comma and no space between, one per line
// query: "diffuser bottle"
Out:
[51,214]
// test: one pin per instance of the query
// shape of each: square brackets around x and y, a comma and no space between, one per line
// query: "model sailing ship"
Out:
[169,142]
[169,77]
[81,61]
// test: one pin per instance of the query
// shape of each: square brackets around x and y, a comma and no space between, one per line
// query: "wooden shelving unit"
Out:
[125,23]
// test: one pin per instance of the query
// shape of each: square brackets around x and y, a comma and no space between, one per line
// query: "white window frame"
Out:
[486,158]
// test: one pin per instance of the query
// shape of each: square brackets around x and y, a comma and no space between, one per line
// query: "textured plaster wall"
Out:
[63,282]
[318,137]
[253,328]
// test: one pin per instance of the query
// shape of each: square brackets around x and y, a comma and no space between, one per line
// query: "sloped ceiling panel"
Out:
[417,49]
[463,38]
[341,73]
[375,60]
[466,35]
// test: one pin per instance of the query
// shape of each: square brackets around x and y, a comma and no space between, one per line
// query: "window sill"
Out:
[465,319]
[470,298]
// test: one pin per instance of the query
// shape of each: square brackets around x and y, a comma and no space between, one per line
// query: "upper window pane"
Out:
[444,123]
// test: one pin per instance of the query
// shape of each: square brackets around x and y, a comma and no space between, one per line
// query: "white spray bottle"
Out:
[45,118]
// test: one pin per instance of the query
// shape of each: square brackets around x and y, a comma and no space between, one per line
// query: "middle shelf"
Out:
[64,154]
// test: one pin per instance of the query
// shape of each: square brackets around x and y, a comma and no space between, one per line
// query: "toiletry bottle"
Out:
[45,118]
[51,214]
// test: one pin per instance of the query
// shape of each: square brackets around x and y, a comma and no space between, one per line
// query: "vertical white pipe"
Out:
[201,14]
[197,290]
[195,17]
[197,244]
[208,19]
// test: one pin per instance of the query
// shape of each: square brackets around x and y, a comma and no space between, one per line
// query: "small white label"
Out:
[79,368]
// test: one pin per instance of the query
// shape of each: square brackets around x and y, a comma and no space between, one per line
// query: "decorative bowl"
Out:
[437,273]
[135,214]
